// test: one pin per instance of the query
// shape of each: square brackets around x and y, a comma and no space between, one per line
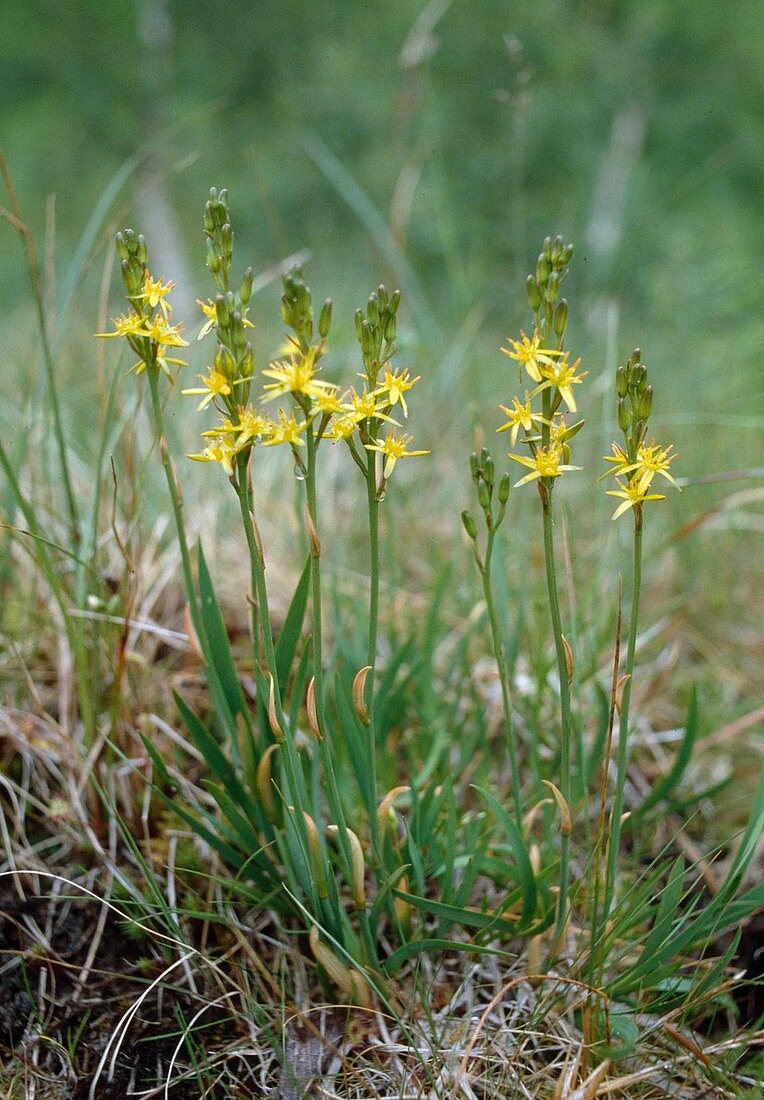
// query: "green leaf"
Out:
[669,781]
[520,852]
[217,647]
[468,918]
[214,758]
[289,639]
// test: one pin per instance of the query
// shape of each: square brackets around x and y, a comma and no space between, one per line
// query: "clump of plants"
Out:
[376,861]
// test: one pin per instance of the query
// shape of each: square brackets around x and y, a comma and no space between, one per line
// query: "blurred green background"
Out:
[432,144]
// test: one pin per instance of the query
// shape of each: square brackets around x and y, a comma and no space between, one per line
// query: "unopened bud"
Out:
[484,496]
[209,217]
[391,327]
[225,363]
[383,297]
[488,469]
[141,249]
[213,259]
[245,290]
[566,254]
[534,295]
[468,522]
[561,317]
[504,489]
[395,301]
[226,240]
[624,416]
[639,378]
[372,309]
[645,403]
[222,312]
[543,268]
[474,466]
[547,247]
[635,357]
[122,249]
[552,287]
[622,381]
[358,320]
[325,319]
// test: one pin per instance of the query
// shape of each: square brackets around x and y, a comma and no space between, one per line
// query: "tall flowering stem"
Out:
[635,464]
[547,436]
[494,507]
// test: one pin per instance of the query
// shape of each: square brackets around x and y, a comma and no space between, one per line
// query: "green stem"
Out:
[260,598]
[623,726]
[545,489]
[371,652]
[503,670]
[177,504]
[328,748]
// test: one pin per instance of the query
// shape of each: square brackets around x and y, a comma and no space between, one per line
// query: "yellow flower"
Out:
[328,402]
[222,451]
[519,416]
[633,493]
[154,294]
[209,310]
[393,447]
[129,324]
[214,385]
[252,426]
[161,331]
[286,430]
[162,361]
[530,355]
[562,376]
[342,428]
[395,384]
[364,406]
[652,460]
[297,376]
[545,463]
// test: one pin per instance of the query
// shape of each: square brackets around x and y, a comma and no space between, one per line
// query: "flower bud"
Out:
[484,496]
[391,327]
[622,381]
[221,311]
[532,290]
[225,363]
[358,319]
[488,469]
[468,522]
[624,416]
[384,298]
[372,309]
[561,317]
[141,249]
[367,338]
[245,290]
[474,466]
[504,489]
[209,217]
[634,358]
[226,240]
[644,403]
[548,247]
[566,254]
[543,267]
[121,244]
[639,378]
[131,241]
[558,248]
[395,301]
[552,287]
[213,259]
[238,337]
[325,319]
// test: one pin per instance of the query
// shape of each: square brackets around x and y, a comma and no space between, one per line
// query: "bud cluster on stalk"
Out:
[376,330]
[492,497]
[297,310]
[543,288]
[635,401]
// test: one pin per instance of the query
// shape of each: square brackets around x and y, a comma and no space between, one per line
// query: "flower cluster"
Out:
[543,359]
[147,326]
[636,464]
